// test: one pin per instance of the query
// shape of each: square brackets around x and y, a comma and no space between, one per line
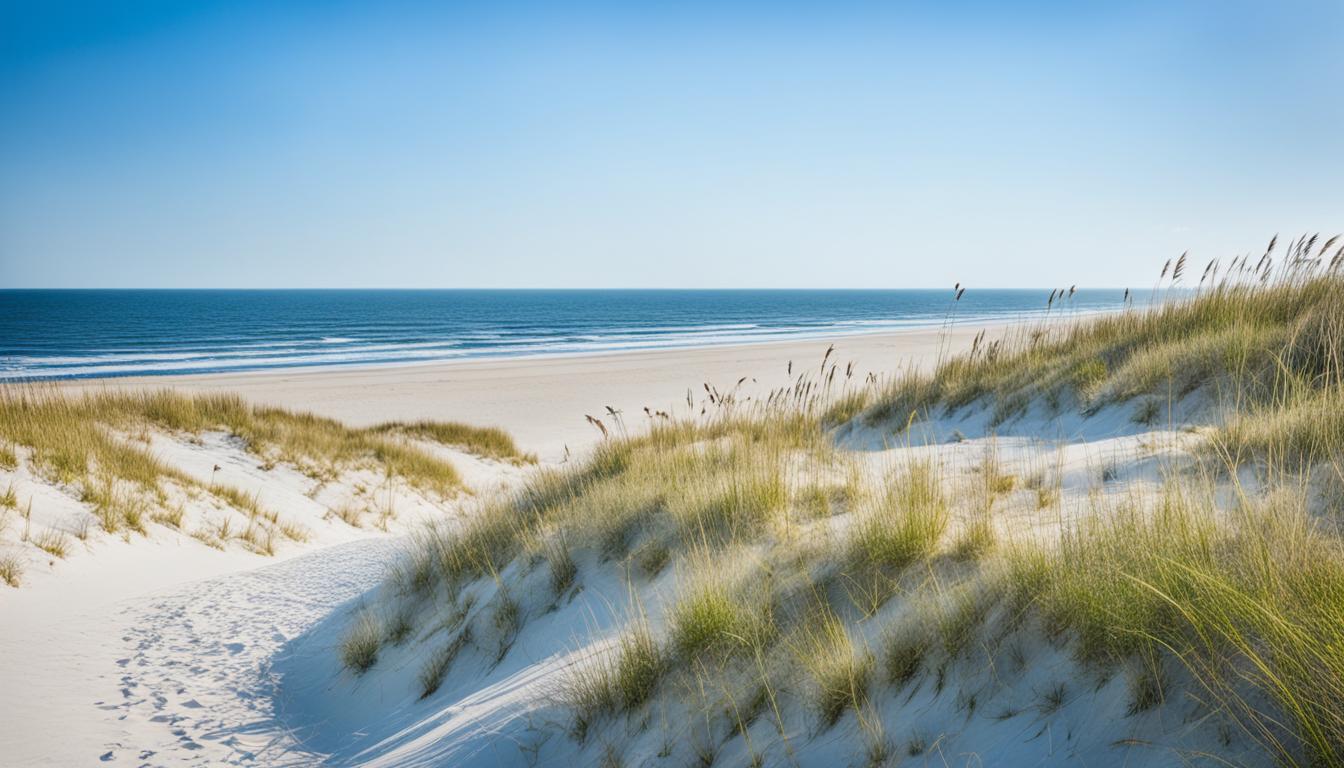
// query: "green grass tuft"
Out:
[359,647]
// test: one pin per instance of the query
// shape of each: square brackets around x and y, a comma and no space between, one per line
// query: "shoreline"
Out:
[542,399]
[654,345]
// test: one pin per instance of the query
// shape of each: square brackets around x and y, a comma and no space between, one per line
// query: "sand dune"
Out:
[89,644]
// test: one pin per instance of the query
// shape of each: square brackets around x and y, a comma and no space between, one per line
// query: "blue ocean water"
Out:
[46,334]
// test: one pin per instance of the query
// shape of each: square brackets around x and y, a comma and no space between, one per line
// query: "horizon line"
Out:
[571,289]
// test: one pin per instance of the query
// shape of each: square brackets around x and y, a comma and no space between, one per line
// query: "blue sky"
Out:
[408,144]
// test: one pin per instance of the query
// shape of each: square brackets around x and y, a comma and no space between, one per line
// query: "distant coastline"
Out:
[55,335]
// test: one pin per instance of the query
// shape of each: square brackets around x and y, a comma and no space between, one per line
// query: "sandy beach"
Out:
[542,401]
[75,634]
[219,630]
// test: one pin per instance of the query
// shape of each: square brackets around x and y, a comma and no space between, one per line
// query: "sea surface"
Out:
[53,334]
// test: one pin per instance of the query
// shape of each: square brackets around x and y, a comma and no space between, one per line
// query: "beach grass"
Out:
[71,434]
[11,570]
[797,580]
[360,646]
[99,447]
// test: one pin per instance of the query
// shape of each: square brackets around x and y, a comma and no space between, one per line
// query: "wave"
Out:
[499,341]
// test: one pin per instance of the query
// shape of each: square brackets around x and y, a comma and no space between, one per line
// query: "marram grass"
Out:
[1241,586]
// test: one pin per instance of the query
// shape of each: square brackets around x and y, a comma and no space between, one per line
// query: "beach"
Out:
[396,584]
[542,400]
[81,636]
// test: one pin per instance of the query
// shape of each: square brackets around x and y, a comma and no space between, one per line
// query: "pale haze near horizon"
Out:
[416,145]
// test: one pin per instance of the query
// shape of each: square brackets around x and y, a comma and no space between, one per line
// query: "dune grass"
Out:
[1250,344]
[621,678]
[1247,598]
[98,446]
[72,435]
[489,442]
[713,617]
[904,524]
[11,570]
[440,661]
[779,580]
[838,668]
[360,646]
[675,487]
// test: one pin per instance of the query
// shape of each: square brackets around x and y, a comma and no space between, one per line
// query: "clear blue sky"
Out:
[408,144]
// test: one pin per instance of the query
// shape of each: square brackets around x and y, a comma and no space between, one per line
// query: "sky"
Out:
[283,143]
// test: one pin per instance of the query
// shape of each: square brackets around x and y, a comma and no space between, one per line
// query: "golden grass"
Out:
[11,570]
[98,444]
[1247,344]
[838,668]
[1246,597]
[52,541]
[713,617]
[903,525]
[75,436]
[489,442]
[678,485]
[620,678]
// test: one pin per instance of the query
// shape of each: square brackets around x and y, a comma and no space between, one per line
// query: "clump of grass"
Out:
[917,745]
[440,661]
[960,611]
[292,531]
[207,537]
[507,618]
[906,524]
[712,619]
[838,668]
[52,541]
[619,679]
[744,500]
[845,408]
[1052,699]
[349,513]
[9,459]
[490,442]
[116,504]
[677,484]
[362,641]
[11,570]
[907,647]
[9,499]
[401,626]
[563,569]
[247,503]
[1147,412]
[258,538]
[976,539]
[652,558]
[1047,496]
[1147,687]
[170,516]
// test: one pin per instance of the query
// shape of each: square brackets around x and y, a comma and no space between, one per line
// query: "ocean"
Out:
[61,334]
